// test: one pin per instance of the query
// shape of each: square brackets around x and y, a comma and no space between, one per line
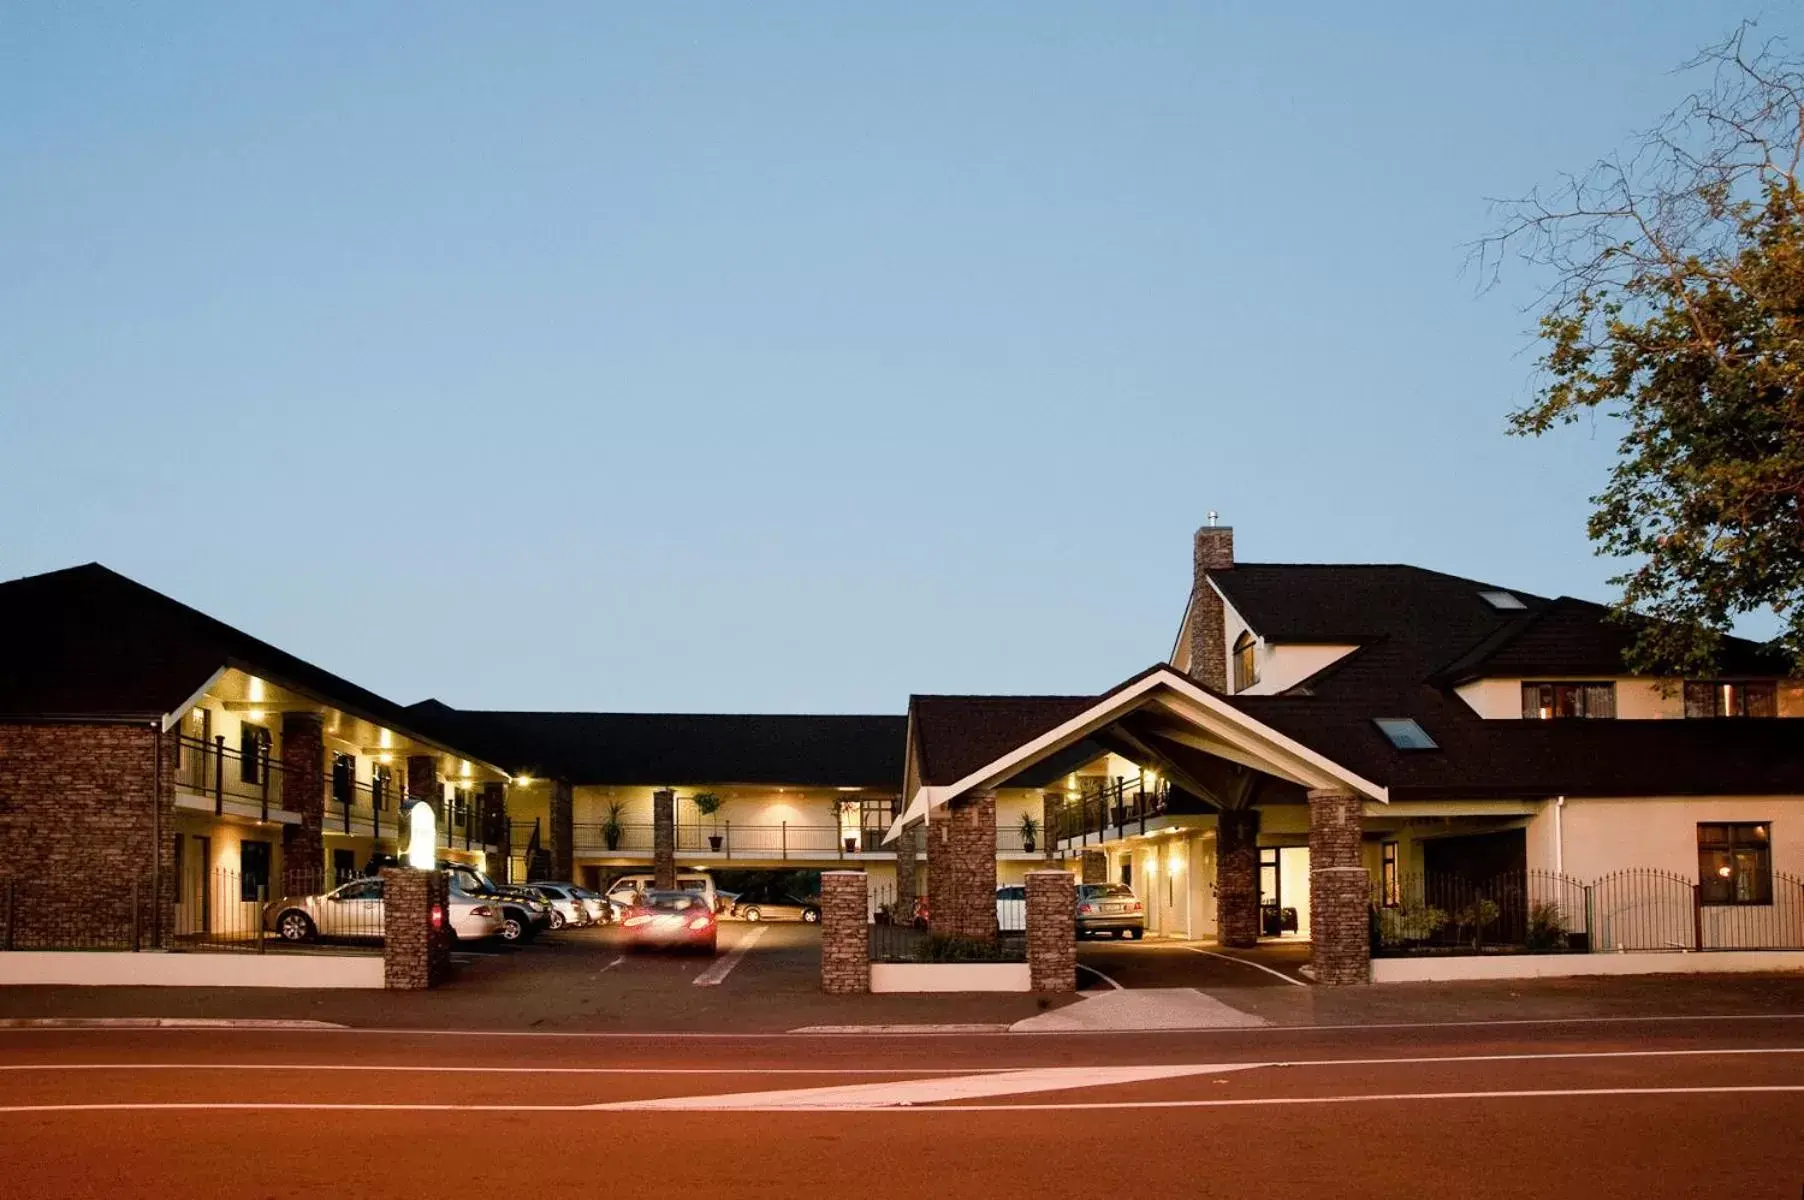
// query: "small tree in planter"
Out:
[839,806]
[612,828]
[707,804]
[1030,832]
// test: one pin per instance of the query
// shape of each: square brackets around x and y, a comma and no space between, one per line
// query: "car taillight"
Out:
[641,919]
[1086,908]
[701,922]
[1134,907]
[482,910]
[438,916]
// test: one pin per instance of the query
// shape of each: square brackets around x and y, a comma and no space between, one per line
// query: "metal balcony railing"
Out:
[213,769]
[732,839]
[1116,808]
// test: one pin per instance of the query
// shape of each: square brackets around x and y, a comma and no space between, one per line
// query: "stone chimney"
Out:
[1214,551]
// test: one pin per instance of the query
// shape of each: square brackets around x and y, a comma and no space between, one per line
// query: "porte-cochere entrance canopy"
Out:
[1220,761]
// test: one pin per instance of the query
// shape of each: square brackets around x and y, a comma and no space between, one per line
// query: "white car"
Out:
[568,907]
[622,892]
[1011,908]
[356,911]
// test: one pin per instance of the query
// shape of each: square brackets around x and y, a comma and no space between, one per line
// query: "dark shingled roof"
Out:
[682,748]
[955,735]
[88,643]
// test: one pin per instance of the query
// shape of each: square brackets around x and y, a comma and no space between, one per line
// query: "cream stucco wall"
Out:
[1604,835]
[1637,698]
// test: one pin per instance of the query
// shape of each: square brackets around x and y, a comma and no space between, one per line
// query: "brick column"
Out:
[1096,867]
[845,933]
[663,838]
[1339,890]
[908,855]
[961,867]
[1052,931]
[1212,550]
[423,783]
[416,928]
[304,792]
[1237,876]
[1051,804]
[563,831]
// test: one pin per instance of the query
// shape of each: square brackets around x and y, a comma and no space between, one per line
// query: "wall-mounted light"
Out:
[523,781]
[255,714]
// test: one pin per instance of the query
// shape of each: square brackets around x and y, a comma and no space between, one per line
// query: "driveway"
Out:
[1205,966]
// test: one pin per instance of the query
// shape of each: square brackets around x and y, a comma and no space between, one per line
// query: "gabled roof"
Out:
[955,735]
[88,643]
[1356,602]
[682,748]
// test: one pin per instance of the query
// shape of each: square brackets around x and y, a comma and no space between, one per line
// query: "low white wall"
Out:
[950,977]
[1547,966]
[103,969]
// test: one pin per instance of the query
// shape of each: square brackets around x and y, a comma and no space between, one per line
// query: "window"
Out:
[344,779]
[1246,669]
[380,778]
[253,870]
[1405,734]
[1503,601]
[1735,863]
[253,747]
[1393,888]
[1548,701]
[344,864]
[1731,698]
[362,889]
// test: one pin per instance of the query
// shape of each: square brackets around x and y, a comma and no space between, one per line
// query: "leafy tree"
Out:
[1676,310]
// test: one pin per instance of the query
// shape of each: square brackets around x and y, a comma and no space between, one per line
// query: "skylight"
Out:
[1404,733]
[1502,600]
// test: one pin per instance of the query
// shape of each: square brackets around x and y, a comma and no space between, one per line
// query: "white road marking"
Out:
[723,967]
[617,961]
[25,1023]
[1246,962]
[1101,976]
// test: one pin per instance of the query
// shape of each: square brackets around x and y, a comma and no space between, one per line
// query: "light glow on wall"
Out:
[422,833]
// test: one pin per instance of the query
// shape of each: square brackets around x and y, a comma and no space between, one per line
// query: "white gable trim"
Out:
[172,719]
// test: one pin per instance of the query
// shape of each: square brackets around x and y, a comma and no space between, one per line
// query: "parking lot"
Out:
[1163,963]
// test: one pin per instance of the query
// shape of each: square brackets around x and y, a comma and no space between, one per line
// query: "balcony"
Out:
[782,842]
[1116,809]
[227,783]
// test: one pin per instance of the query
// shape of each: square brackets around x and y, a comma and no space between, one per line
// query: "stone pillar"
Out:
[1340,893]
[1096,867]
[1237,876]
[908,854]
[423,783]
[303,791]
[845,933]
[562,834]
[961,868]
[1051,804]
[1213,550]
[1052,931]
[663,838]
[416,928]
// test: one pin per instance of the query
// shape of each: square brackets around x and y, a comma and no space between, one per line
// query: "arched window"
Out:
[1246,670]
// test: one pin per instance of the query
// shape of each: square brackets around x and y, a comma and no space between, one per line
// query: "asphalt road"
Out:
[1605,1109]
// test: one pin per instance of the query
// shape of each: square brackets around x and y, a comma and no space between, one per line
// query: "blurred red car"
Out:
[666,920]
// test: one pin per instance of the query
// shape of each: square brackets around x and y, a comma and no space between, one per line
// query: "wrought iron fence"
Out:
[1637,908]
[903,932]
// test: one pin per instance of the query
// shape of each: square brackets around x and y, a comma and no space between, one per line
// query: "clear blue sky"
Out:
[783,357]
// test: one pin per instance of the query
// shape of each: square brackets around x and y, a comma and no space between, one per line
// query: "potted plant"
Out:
[707,804]
[839,807]
[613,827]
[1030,831]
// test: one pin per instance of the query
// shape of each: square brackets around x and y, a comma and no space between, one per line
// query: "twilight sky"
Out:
[781,357]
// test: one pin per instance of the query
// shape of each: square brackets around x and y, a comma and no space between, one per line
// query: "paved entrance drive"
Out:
[1205,966]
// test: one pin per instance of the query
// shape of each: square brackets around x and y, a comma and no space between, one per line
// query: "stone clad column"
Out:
[1340,890]
[1096,866]
[908,853]
[961,868]
[304,792]
[663,838]
[563,831]
[1051,804]
[1052,931]
[416,929]
[1237,876]
[845,933]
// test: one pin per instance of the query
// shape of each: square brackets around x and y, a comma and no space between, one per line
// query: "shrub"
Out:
[1476,916]
[1409,923]
[950,948]
[1547,927]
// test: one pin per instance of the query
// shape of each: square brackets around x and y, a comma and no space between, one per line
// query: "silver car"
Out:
[355,910]
[568,907]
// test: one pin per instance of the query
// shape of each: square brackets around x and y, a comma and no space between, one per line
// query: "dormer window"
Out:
[1553,701]
[1731,698]
[1246,667]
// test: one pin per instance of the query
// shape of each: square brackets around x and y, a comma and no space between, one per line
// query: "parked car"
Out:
[601,912]
[624,888]
[567,906]
[1011,908]
[355,910]
[665,920]
[772,904]
[1109,908]
[523,914]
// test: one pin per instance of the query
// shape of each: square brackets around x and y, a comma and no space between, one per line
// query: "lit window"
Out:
[1504,601]
[1405,734]
[1393,887]
[1246,669]
[1731,698]
[1549,701]
[1735,863]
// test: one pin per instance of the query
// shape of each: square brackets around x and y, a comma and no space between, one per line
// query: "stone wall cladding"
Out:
[663,838]
[423,783]
[961,867]
[1050,805]
[1096,867]
[1052,931]
[845,933]
[1339,890]
[908,858]
[83,823]
[304,792]
[1237,876]
[1213,550]
[415,955]
[563,830]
